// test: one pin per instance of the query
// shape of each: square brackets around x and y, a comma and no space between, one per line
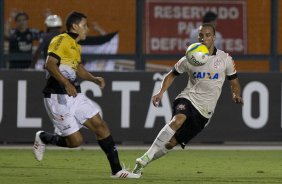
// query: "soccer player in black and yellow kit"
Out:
[67,107]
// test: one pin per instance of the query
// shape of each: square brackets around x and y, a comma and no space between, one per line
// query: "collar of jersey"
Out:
[73,35]
[214,51]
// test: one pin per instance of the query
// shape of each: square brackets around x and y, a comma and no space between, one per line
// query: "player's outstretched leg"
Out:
[108,146]
[42,138]
[156,150]
[38,147]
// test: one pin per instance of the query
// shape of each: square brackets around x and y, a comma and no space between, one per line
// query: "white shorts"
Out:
[68,114]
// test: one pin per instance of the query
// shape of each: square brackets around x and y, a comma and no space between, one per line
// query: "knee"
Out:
[75,143]
[177,121]
[101,127]
[98,126]
[101,130]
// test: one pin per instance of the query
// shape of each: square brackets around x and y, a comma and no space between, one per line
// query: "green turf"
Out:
[179,166]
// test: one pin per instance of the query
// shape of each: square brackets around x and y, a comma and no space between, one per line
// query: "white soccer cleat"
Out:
[38,147]
[141,164]
[124,174]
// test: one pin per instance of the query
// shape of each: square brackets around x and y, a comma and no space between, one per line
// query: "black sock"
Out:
[108,146]
[53,139]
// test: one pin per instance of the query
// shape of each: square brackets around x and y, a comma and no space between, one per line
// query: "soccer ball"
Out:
[197,54]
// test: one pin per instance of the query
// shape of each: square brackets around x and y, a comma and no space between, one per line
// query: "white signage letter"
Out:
[262,91]
[125,88]
[22,120]
[161,111]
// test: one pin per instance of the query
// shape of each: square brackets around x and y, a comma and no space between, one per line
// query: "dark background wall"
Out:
[126,106]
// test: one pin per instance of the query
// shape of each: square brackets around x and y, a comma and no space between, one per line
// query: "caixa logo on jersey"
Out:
[205,75]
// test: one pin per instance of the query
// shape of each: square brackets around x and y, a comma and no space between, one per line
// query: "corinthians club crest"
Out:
[181,107]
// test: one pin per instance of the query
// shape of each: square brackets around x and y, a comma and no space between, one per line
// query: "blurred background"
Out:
[152,35]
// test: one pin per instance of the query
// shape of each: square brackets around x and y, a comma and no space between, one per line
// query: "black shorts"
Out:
[194,123]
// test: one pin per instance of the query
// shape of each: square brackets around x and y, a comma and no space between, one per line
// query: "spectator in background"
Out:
[54,24]
[104,43]
[209,17]
[21,40]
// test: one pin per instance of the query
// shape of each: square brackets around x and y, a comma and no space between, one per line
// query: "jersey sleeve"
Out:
[230,66]
[181,65]
[58,46]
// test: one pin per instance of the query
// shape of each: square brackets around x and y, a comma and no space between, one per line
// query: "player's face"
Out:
[206,36]
[82,29]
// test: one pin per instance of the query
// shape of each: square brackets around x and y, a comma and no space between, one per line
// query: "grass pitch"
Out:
[179,166]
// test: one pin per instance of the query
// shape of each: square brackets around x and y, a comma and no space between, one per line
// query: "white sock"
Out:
[160,153]
[163,137]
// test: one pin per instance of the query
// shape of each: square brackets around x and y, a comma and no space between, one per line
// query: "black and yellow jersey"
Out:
[66,49]
[68,53]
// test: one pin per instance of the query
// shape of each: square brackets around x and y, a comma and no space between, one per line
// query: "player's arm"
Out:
[37,53]
[232,76]
[85,75]
[53,69]
[236,90]
[36,56]
[167,81]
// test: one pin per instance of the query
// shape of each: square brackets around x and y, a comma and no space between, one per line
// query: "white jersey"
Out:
[205,82]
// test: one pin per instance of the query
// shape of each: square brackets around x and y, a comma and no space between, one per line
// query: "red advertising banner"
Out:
[169,24]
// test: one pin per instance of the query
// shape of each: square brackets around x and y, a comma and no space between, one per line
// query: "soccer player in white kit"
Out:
[195,105]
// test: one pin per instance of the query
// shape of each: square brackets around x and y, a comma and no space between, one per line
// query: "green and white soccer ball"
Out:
[197,54]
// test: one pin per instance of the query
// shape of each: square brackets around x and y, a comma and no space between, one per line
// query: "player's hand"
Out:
[238,99]
[70,89]
[100,82]
[156,99]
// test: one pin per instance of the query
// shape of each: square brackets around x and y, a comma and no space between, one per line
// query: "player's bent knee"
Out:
[101,129]
[97,124]
[177,121]
[75,142]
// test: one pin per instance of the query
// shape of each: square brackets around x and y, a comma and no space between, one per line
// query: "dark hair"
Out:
[21,14]
[74,18]
[209,25]
[209,17]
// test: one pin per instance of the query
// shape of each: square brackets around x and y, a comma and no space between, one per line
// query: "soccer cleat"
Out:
[141,164]
[38,147]
[125,174]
